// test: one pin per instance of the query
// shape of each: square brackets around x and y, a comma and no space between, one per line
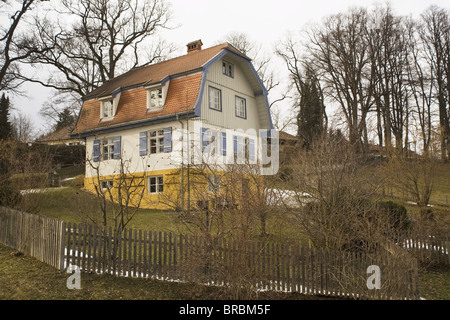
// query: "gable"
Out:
[245,83]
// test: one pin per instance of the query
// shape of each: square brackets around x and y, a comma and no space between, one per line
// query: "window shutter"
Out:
[143,151]
[251,150]
[224,143]
[117,147]
[204,139]
[96,151]
[168,139]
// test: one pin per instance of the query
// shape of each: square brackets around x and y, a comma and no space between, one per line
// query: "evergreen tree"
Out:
[65,119]
[5,125]
[310,118]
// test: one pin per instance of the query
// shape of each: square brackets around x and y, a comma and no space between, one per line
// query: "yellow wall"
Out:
[171,198]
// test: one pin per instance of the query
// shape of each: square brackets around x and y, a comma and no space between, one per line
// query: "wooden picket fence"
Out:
[427,249]
[34,235]
[220,262]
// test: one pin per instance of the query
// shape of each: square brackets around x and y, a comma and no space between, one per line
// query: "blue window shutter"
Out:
[224,143]
[143,151]
[204,139]
[168,139]
[117,147]
[96,151]
[251,149]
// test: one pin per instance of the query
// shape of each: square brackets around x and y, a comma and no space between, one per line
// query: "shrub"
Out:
[397,214]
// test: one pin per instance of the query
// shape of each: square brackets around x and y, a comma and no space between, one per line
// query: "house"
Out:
[61,137]
[288,146]
[157,120]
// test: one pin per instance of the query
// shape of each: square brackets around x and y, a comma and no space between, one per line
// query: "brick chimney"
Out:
[194,46]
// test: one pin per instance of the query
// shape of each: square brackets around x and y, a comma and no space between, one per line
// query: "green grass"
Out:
[434,283]
[71,204]
[25,278]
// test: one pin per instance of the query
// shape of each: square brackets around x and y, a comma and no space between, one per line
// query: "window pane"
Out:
[214,98]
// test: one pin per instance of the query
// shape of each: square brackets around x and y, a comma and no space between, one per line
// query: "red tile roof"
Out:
[182,92]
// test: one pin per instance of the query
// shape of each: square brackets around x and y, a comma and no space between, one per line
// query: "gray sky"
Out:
[265,22]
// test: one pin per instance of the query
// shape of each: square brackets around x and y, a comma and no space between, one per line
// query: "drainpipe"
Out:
[182,165]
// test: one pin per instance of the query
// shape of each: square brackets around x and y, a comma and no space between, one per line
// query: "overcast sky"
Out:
[265,22]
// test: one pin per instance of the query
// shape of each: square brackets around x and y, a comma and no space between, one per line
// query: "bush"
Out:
[397,214]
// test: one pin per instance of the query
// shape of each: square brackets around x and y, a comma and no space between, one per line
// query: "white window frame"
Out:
[152,102]
[240,107]
[107,106]
[156,136]
[214,184]
[214,102]
[109,145]
[228,68]
[107,184]
[158,184]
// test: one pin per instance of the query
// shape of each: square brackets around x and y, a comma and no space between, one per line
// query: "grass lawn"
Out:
[434,283]
[25,278]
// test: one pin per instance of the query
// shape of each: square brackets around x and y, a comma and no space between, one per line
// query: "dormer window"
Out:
[107,109]
[156,98]
[108,105]
[227,69]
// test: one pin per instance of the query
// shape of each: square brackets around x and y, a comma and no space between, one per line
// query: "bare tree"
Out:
[23,130]
[389,54]
[119,197]
[308,95]
[421,85]
[16,46]
[95,40]
[339,50]
[435,34]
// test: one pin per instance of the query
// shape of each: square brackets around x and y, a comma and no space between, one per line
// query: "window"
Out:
[214,183]
[241,107]
[155,98]
[107,109]
[212,140]
[108,149]
[215,99]
[156,141]
[227,69]
[239,147]
[155,184]
[244,149]
[107,184]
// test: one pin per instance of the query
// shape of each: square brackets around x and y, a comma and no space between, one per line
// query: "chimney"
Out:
[194,46]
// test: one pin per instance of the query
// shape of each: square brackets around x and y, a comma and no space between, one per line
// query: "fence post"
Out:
[62,242]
